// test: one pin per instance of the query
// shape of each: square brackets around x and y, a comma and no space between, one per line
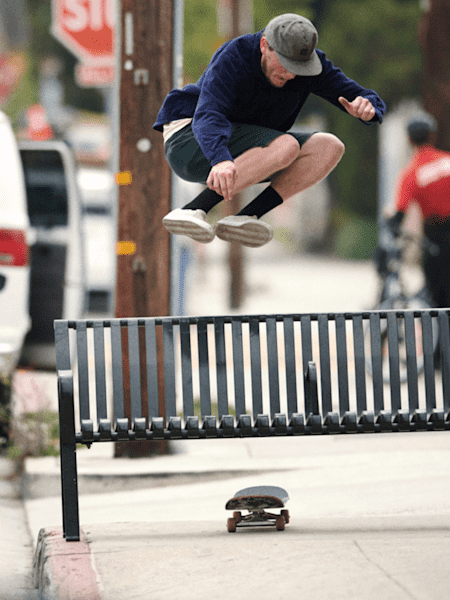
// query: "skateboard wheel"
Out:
[280,523]
[231,525]
[285,514]
[237,516]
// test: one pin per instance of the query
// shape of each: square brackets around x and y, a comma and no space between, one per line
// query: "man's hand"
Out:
[222,178]
[361,108]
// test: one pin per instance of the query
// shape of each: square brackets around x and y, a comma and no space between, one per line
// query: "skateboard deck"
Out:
[256,500]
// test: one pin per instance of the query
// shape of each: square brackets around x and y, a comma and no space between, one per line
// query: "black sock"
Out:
[206,200]
[263,203]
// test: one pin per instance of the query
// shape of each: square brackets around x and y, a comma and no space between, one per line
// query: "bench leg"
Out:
[69,485]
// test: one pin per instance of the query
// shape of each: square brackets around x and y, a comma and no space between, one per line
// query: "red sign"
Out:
[38,126]
[86,28]
[94,75]
[12,68]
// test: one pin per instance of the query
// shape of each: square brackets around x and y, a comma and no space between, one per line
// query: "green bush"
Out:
[356,239]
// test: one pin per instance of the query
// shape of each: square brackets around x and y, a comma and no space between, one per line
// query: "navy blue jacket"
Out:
[234,89]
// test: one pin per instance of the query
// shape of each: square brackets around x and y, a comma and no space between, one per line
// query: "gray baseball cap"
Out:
[294,39]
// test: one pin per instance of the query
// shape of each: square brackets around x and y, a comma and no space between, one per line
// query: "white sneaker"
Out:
[184,221]
[248,231]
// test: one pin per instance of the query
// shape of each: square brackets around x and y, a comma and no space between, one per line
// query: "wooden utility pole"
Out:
[143,275]
[434,35]
[235,18]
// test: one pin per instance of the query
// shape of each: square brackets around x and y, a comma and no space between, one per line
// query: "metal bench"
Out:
[246,376]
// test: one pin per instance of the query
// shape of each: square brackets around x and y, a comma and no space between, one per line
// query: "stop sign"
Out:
[86,28]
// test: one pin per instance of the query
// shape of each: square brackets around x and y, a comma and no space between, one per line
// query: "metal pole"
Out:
[177,82]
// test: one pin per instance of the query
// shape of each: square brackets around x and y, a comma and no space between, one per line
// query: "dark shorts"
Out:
[188,161]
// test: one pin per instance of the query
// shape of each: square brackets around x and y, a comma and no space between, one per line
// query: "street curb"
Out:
[64,570]
[43,485]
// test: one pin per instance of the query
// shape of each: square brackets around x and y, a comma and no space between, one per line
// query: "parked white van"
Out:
[14,253]
[57,282]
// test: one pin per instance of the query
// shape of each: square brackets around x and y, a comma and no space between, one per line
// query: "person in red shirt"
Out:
[426,180]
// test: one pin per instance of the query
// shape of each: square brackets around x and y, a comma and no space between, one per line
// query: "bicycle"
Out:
[393,295]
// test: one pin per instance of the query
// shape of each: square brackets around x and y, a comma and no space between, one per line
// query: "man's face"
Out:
[271,67]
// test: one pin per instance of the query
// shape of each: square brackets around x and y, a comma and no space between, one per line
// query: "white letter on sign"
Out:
[96,14]
[110,13]
[78,19]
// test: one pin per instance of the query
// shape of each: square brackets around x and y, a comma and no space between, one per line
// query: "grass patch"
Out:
[35,434]
[214,410]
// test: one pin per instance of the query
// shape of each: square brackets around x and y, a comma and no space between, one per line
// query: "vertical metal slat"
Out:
[135,369]
[117,370]
[151,357]
[62,345]
[305,326]
[427,338]
[169,369]
[377,362]
[325,368]
[291,376]
[238,366]
[360,363]
[186,368]
[342,362]
[100,375]
[203,357]
[221,367]
[255,365]
[394,361]
[83,370]
[444,342]
[272,356]
[411,361]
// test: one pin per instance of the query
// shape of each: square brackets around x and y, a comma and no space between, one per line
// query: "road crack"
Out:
[385,573]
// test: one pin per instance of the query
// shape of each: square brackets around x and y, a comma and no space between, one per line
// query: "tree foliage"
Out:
[200,36]
[376,44]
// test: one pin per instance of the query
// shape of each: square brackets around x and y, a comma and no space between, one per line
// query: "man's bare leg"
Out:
[292,170]
[295,168]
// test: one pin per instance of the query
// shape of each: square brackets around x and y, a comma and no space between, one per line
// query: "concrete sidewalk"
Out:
[16,581]
[370,518]
[370,515]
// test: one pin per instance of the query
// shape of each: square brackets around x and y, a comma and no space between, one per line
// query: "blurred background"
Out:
[51,95]
[376,43]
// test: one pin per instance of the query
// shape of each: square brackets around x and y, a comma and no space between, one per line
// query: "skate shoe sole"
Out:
[252,234]
[200,232]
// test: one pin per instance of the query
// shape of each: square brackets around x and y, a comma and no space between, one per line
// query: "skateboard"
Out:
[255,500]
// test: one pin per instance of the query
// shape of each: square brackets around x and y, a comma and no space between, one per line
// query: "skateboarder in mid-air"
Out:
[230,130]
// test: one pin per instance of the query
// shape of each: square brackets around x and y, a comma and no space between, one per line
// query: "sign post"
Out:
[94,75]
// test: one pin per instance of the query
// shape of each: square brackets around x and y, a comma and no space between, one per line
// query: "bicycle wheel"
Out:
[414,303]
